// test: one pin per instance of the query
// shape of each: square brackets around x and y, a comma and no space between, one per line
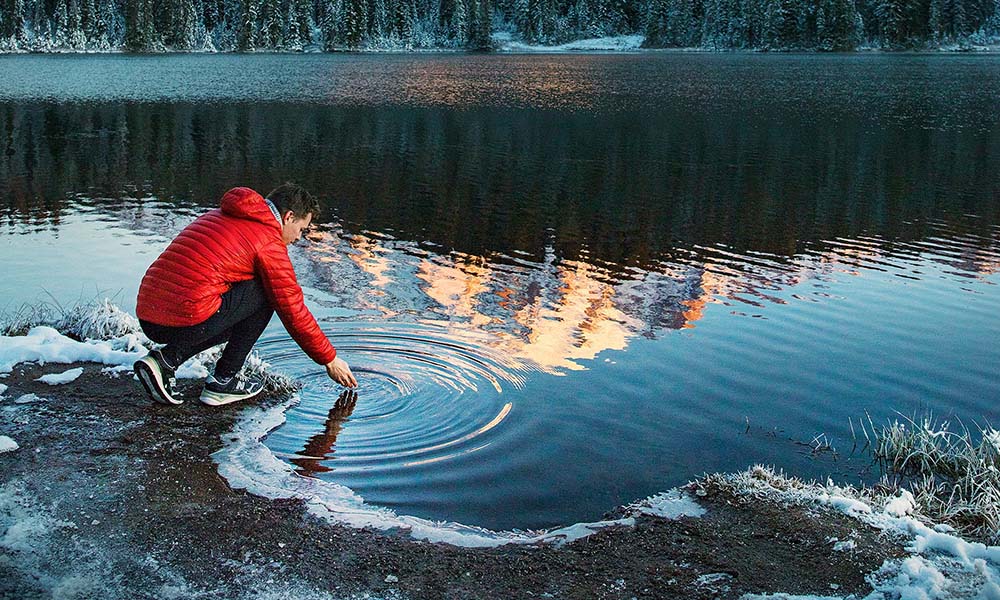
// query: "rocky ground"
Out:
[110,495]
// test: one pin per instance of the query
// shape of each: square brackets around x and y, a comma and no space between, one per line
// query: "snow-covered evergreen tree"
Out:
[354,22]
[140,32]
[292,40]
[891,15]
[330,26]
[404,20]
[610,16]
[246,35]
[187,23]
[210,14]
[304,20]
[672,23]
[76,39]
[41,28]
[13,21]
[271,28]
[88,18]
[459,24]
[381,23]
[60,23]
[480,36]
[947,18]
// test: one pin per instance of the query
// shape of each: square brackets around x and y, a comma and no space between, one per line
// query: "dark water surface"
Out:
[564,282]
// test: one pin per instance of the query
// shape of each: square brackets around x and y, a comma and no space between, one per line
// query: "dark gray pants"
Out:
[244,314]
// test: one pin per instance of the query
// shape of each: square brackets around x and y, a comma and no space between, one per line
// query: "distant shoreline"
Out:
[504,44]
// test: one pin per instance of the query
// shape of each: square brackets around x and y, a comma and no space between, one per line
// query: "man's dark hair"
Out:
[295,198]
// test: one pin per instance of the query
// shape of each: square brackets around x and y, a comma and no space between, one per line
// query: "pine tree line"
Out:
[291,25]
[242,25]
[819,24]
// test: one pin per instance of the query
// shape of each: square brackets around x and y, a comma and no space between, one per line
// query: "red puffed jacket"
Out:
[238,242]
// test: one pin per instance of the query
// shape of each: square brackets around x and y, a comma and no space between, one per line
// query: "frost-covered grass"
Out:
[24,317]
[94,319]
[115,334]
[954,475]
[762,482]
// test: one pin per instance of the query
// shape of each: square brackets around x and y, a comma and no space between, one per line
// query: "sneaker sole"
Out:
[217,399]
[150,379]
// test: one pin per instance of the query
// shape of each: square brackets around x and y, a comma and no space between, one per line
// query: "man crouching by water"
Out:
[220,280]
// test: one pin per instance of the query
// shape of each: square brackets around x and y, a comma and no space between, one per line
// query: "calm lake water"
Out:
[564,282]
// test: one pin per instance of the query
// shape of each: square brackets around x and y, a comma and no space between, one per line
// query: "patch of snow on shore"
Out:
[673,504]
[619,43]
[7,444]
[844,545]
[28,399]
[246,463]
[43,344]
[61,378]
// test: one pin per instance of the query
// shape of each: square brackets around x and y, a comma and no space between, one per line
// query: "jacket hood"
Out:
[245,203]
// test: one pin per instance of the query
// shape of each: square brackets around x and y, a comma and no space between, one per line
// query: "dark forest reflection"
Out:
[628,188]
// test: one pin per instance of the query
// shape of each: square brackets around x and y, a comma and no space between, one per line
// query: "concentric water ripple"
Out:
[426,393]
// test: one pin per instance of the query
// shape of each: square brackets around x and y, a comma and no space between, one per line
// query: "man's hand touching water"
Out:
[338,371]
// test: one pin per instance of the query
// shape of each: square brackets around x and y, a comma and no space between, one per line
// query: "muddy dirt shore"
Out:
[110,495]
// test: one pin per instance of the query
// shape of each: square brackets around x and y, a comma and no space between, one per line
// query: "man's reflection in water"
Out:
[321,445]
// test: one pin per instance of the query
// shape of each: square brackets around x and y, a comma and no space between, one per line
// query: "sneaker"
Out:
[239,387]
[157,378]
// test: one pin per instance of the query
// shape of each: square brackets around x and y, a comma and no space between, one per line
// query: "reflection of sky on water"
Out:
[558,313]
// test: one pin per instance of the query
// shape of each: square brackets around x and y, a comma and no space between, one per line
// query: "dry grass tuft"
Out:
[954,476]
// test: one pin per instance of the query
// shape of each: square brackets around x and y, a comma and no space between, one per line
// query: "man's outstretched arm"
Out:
[280,284]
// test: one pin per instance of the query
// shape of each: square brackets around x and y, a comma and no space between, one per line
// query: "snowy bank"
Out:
[44,344]
[110,336]
[619,43]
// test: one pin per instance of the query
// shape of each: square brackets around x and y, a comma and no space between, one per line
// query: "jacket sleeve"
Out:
[278,278]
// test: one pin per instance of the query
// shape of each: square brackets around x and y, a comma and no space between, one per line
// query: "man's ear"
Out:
[287,217]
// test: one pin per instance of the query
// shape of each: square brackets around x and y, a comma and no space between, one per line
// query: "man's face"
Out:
[292,226]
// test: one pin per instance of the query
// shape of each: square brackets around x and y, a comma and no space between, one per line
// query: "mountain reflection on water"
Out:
[565,283]
[555,314]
